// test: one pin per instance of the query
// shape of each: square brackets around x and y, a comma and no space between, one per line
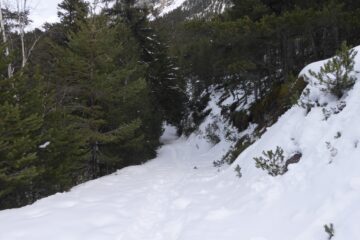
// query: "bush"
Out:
[337,75]
[238,171]
[272,162]
[329,229]
[212,133]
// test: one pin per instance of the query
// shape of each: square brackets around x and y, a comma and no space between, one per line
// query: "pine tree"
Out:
[72,13]
[337,75]
[105,93]
[21,122]
[162,76]
[165,82]
[63,157]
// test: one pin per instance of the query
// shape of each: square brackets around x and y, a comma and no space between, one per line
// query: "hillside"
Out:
[192,7]
[180,195]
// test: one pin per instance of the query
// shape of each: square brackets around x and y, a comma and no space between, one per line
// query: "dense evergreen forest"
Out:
[90,94]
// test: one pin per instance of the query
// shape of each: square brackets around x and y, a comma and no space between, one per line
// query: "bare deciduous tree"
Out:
[5,41]
[22,11]
[21,14]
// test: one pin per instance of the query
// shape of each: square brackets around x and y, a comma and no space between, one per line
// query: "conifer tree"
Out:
[162,76]
[21,121]
[105,93]
[337,75]
[72,13]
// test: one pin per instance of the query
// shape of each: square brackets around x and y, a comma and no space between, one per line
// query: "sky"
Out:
[42,11]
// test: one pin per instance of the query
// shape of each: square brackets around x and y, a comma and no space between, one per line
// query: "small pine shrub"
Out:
[238,171]
[329,229]
[273,162]
[337,75]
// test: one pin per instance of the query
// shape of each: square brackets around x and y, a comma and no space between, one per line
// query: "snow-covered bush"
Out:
[212,133]
[329,229]
[273,162]
[337,75]
[306,102]
[238,171]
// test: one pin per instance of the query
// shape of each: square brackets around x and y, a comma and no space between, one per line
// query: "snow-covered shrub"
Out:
[340,106]
[238,171]
[337,75]
[273,162]
[329,229]
[305,101]
[329,111]
[212,133]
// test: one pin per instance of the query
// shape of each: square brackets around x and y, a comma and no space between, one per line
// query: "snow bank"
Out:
[168,6]
[323,187]
[181,196]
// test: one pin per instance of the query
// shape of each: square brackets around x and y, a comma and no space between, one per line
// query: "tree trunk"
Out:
[7,52]
[21,7]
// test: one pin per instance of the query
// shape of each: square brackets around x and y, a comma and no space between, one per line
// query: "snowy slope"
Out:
[166,6]
[181,196]
[194,7]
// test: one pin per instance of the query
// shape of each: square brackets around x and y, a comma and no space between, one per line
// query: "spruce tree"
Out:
[105,94]
[166,84]
[72,13]
[21,122]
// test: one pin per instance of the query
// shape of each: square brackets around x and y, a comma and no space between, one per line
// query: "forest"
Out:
[84,97]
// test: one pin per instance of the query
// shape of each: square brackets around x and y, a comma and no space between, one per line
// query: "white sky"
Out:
[42,11]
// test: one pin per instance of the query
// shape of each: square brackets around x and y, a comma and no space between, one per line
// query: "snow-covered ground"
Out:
[166,6]
[181,196]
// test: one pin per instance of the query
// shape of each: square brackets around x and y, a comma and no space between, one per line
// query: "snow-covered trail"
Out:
[167,199]
[181,196]
[150,201]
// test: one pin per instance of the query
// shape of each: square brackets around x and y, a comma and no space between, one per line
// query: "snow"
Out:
[168,6]
[169,199]
[164,7]
[44,145]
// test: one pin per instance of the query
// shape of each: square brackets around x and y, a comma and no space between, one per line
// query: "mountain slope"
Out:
[179,195]
[192,7]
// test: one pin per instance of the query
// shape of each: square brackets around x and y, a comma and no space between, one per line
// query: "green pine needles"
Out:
[272,162]
[337,75]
